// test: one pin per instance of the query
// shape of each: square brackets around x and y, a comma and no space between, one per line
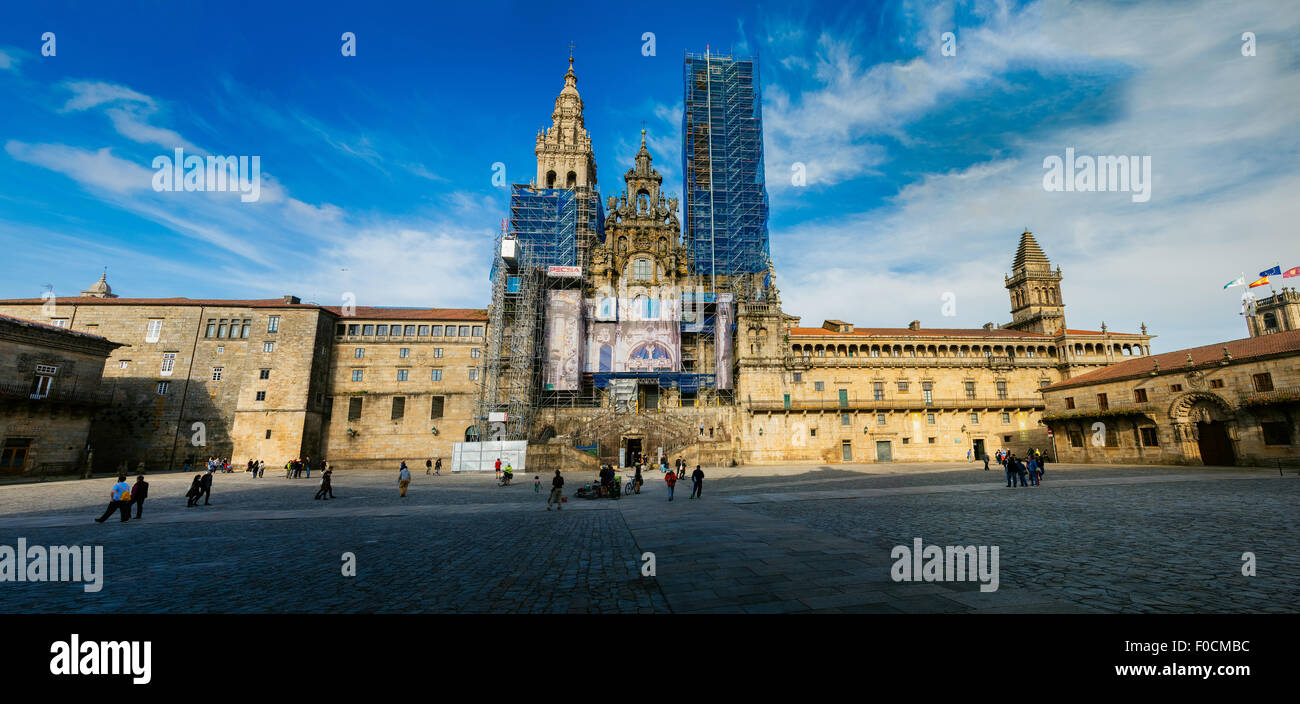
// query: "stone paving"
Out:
[772,539]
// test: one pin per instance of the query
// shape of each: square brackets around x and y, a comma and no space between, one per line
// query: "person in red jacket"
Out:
[671,479]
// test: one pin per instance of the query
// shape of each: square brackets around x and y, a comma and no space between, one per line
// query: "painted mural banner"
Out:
[563,340]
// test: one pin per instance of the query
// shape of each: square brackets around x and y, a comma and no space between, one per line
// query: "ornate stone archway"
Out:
[1194,410]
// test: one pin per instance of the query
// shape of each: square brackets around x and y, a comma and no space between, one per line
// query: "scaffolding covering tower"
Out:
[508,384]
[722,163]
[558,224]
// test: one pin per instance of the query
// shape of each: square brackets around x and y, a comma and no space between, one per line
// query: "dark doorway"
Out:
[650,397]
[979,449]
[633,450]
[1216,448]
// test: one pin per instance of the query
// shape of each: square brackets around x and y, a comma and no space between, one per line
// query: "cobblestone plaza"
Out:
[773,539]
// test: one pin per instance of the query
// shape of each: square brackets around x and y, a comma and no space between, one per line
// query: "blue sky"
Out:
[921,168]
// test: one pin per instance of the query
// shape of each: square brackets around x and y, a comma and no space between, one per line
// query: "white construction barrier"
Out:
[482,456]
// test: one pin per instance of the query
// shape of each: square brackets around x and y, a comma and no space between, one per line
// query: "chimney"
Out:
[292,300]
[914,325]
[988,326]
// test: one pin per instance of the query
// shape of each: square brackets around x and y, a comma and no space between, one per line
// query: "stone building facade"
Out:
[260,379]
[1236,402]
[50,390]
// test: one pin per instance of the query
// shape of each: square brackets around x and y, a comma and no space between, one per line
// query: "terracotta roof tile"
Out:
[47,326]
[923,332]
[361,311]
[1176,361]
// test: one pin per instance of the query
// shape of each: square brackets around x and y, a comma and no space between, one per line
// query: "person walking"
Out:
[986,461]
[636,480]
[196,489]
[119,499]
[206,486]
[437,468]
[671,479]
[1010,469]
[261,469]
[325,491]
[697,483]
[403,479]
[139,493]
[968,455]
[428,467]
[537,484]
[557,493]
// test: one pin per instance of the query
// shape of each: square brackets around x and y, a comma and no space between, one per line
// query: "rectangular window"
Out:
[354,409]
[1175,387]
[216,373]
[221,328]
[475,353]
[1112,435]
[464,331]
[845,419]
[974,419]
[163,386]
[367,329]
[1263,382]
[268,433]
[970,389]
[273,324]
[878,391]
[435,407]
[248,326]
[819,386]
[902,387]
[437,352]
[264,374]
[451,331]
[844,398]
[473,375]
[399,407]
[261,395]
[436,331]
[212,328]
[1006,418]
[1276,433]
[436,375]
[424,331]
[124,364]
[786,400]
[1216,383]
[1069,402]
[268,346]
[409,331]
[1149,437]
[41,385]
[478,331]
[1076,438]
[798,377]
[404,353]
[357,374]
[354,329]
[1103,402]
[14,454]
[1139,395]
[168,363]
[930,440]
[340,330]
[329,408]
[812,432]
[358,353]
[221,349]
[402,374]
[1002,389]
[153,330]
[881,419]
[382,330]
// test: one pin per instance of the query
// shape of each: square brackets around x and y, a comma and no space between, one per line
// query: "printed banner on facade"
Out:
[638,334]
[722,341]
[563,340]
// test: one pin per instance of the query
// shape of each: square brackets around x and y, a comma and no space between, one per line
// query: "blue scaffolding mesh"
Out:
[558,224]
[722,160]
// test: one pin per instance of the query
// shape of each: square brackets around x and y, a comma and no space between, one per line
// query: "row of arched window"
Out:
[1029,351]
[1038,294]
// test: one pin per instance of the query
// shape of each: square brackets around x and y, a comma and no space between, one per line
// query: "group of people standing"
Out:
[1028,470]
[697,479]
[123,496]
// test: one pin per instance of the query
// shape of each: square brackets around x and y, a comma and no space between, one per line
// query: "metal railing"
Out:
[57,393]
[1278,394]
[894,404]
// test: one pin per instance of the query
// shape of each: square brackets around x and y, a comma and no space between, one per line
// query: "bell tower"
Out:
[1035,291]
[565,158]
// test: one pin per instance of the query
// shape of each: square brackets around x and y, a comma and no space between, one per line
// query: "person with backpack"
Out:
[139,493]
[119,499]
[671,480]
[557,493]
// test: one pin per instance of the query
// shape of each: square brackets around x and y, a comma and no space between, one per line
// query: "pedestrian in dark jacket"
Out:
[196,490]
[697,483]
[557,493]
[139,493]
[326,490]
[206,486]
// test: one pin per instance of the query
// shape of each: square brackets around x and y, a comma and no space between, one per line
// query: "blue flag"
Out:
[1275,271]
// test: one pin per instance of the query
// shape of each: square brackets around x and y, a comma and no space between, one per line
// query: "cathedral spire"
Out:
[565,158]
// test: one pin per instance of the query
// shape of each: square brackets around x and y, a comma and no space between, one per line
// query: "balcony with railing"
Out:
[915,403]
[1276,396]
[56,393]
[967,362]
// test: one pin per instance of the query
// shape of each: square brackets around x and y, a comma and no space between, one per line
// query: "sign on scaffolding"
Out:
[482,456]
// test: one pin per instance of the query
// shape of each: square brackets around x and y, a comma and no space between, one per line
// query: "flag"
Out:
[1239,281]
[1271,272]
[1293,271]
[1260,282]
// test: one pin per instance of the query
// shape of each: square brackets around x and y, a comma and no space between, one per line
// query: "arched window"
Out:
[641,269]
[550,179]
[571,180]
